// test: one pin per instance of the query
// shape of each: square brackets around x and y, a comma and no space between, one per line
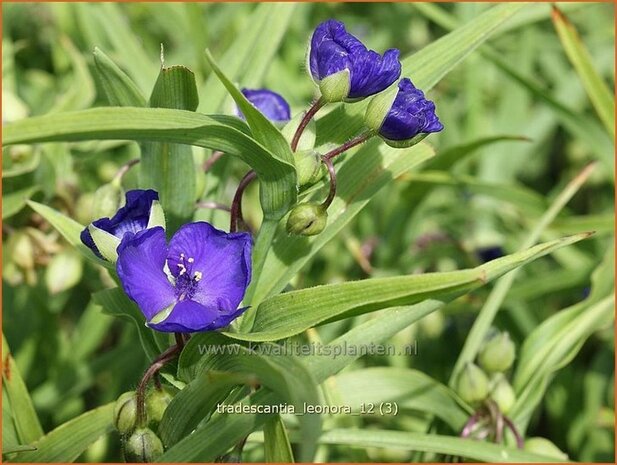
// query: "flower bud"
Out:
[472,384]
[307,219]
[63,272]
[502,393]
[22,250]
[497,354]
[335,87]
[143,446]
[543,446]
[156,404]
[125,412]
[107,199]
[309,167]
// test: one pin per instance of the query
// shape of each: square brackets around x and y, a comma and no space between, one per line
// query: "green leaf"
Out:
[498,294]
[601,97]
[163,125]
[197,401]
[70,230]
[13,202]
[291,313]
[435,443]
[116,303]
[119,88]
[169,168]
[410,389]
[250,55]
[269,136]
[280,375]
[69,440]
[25,418]
[276,443]
[81,92]
[359,178]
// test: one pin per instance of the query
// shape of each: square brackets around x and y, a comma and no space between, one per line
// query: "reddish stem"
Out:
[216,156]
[332,173]
[236,205]
[308,116]
[359,139]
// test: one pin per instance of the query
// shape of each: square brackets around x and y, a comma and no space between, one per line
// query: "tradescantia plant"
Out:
[209,280]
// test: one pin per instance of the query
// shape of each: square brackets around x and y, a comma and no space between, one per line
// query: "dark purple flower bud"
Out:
[410,114]
[272,105]
[358,72]
[194,284]
[140,211]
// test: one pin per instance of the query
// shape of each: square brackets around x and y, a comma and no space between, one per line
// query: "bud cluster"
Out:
[141,444]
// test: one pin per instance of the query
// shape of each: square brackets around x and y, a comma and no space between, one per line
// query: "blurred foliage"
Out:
[74,358]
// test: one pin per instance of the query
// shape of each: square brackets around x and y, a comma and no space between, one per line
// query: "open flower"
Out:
[194,284]
[140,211]
[410,114]
[344,68]
[272,105]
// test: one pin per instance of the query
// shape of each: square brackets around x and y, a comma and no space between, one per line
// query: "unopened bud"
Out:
[63,272]
[143,446]
[309,167]
[472,384]
[497,354]
[156,404]
[502,393]
[125,412]
[307,219]
[22,250]
[544,447]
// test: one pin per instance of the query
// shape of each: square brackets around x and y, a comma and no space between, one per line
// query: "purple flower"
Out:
[272,105]
[194,284]
[333,50]
[411,114]
[132,217]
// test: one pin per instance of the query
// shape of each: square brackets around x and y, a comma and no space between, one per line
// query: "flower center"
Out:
[187,279]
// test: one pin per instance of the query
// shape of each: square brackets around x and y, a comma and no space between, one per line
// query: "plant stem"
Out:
[332,173]
[152,372]
[308,116]
[125,168]
[236,205]
[359,139]
[520,443]
[216,155]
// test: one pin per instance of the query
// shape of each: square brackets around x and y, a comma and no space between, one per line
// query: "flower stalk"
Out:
[308,116]
[236,204]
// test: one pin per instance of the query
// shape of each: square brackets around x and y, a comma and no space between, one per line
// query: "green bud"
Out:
[156,404]
[307,219]
[502,393]
[378,108]
[107,200]
[544,447]
[309,167]
[472,384]
[497,354]
[125,412]
[143,446]
[22,250]
[63,272]
[335,88]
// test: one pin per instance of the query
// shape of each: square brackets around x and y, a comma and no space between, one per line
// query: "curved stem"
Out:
[126,167]
[308,116]
[520,443]
[216,156]
[359,139]
[152,372]
[236,205]
[468,428]
[332,173]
